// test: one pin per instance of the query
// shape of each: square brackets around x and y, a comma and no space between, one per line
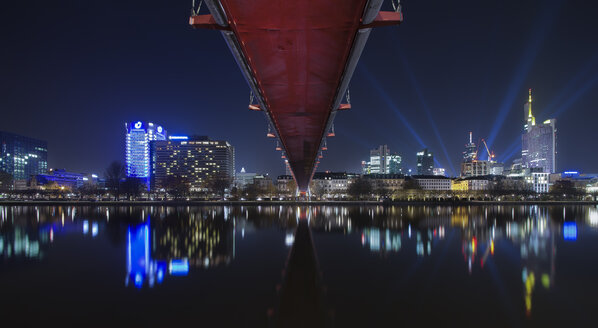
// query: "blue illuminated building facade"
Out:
[63,178]
[139,136]
[22,156]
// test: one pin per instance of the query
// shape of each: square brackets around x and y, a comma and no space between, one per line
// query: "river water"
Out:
[268,266]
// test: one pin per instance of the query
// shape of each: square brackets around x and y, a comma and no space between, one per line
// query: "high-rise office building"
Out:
[382,162]
[196,160]
[475,168]
[394,164]
[471,152]
[139,136]
[425,162]
[22,156]
[378,159]
[439,171]
[538,142]
[472,166]
[243,179]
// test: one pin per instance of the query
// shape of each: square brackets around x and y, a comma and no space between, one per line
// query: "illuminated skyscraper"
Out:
[22,156]
[139,136]
[196,160]
[439,171]
[394,164]
[378,159]
[425,162]
[382,162]
[538,142]
[470,153]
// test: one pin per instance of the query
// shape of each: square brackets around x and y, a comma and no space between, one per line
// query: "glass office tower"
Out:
[139,136]
[22,156]
[538,142]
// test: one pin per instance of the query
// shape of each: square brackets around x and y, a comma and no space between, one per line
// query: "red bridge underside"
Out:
[297,51]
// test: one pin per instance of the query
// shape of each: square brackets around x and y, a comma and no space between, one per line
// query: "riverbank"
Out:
[287,202]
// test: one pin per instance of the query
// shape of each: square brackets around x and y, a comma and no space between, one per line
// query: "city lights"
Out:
[325,163]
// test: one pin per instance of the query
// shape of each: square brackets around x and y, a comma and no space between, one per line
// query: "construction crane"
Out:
[490,154]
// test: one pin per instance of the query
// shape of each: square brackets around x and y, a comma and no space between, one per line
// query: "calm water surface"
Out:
[268,266]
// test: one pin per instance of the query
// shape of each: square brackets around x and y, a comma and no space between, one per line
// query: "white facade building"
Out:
[541,182]
[243,179]
[433,182]
[331,183]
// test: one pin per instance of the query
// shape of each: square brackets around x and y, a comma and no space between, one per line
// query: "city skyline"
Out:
[321,163]
[394,92]
[146,131]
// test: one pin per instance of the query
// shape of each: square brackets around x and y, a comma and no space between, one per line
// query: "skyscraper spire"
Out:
[529,101]
[530,120]
[538,142]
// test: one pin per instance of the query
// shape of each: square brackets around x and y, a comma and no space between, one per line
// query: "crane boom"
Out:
[490,155]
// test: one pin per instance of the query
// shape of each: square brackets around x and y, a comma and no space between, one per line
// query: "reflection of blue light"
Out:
[138,253]
[289,239]
[138,280]
[178,267]
[85,227]
[160,271]
[570,231]
[374,239]
[94,229]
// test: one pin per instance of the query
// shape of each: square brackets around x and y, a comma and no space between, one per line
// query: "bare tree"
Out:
[218,185]
[360,188]
[114,175]
[177,186]
[317,190]
[133,187]
[6,180]
[252,191]
[382,191]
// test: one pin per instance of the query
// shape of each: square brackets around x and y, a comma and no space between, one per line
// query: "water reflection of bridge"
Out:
[163,241]
[302,298]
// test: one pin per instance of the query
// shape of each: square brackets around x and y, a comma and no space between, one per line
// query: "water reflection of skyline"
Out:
[164,243]
[172,246]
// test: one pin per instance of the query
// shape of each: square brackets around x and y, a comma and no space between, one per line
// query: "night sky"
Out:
[73,72]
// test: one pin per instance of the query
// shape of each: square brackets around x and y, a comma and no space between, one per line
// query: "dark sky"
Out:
[73,72]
